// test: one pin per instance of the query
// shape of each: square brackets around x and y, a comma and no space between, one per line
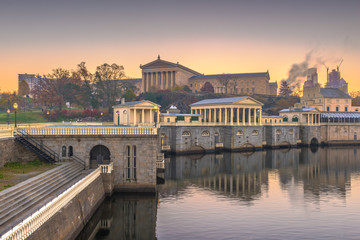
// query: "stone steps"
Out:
[38,187]
[34,191]
[15,190]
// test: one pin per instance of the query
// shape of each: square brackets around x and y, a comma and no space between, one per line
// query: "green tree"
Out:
[285,89]
[129,95]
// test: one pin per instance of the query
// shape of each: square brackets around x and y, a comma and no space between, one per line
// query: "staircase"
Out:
[42,151]
[18,202]
[33,145]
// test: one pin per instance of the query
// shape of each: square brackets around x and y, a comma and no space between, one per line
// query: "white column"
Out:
[226,116]
[255,116]
[142,116]
[169,80]
[220,115]
[232,116]
[243,116]
[249,115]
[134,116]
[260,118]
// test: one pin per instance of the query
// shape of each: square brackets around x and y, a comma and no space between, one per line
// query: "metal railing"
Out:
[33,222]
[88,130]
[20,133]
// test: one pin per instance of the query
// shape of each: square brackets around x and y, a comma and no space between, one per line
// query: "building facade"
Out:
[160,74]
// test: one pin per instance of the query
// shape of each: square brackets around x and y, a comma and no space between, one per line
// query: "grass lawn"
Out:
[22,117]
[16,172]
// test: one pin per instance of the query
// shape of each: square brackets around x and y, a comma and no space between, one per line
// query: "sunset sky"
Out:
[229,36]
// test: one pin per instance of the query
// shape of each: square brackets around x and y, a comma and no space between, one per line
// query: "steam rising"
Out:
[298,71]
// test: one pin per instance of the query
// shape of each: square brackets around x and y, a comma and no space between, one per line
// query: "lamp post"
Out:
[118,121]
[101,116]
[15,107]
[49,116]
[8,113]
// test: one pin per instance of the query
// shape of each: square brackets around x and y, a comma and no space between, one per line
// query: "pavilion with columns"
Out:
[229,111]
[139,113]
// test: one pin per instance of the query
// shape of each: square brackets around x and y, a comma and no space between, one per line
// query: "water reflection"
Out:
[278,188]
[129,216]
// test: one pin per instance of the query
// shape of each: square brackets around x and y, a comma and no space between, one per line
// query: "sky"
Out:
[228,36]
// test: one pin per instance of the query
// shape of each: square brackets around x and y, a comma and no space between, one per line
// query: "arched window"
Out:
[163,139]
[70,151]
[239,133]
[295,119]
[186,134]
[99,155]
[63,151]
[255,132]
[291,131]
[205,133]
[285,119]
[278,131]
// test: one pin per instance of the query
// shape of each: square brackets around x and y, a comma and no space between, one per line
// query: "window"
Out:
[63,151]
[295,119]
[278,131]
[291,131]
[247,89]
[346,108]
[190,84]
[255,132]
[239,133]
[205,133]
[242,90]
[253,90]
[186,134]
[70,152]
[328,108]
[130,168]
[285,119]
[337,109]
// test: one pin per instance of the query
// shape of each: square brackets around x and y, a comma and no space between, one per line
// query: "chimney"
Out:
[123,101]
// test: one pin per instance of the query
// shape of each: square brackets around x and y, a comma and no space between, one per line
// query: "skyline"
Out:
[207,36]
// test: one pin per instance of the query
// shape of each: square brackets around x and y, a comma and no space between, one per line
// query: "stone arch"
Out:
[240,133]
[255,132]
[247,146]
[278,131]
[99,154]
[186,134]
[63,151]
[285,144]
[314,141]
[291,131]
[205,133]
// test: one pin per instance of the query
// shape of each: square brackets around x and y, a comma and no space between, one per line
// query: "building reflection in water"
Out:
[123,216]
[240,176]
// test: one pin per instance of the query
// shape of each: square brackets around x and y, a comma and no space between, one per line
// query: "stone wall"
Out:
[11,151]
[307,133]
[277,136]
[344,133]
[71,219]
[147,149]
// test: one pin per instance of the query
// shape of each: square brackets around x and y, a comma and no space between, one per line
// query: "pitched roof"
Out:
[133,103]
[333,93]
[233,75]
[161,63]
[221,101]
[298,110]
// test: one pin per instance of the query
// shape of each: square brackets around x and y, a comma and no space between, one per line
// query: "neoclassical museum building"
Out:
[160,74]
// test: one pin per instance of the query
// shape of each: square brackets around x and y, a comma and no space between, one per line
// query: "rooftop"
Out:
[129,103]
[218,101]
[333,93]
[233,75]
[298,110]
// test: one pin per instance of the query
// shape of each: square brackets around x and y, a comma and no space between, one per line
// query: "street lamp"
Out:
[101,115]
[15,107]
[8,113]
[118,114]
[49,116]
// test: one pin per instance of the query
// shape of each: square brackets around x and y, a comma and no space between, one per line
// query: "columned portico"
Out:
[233,111]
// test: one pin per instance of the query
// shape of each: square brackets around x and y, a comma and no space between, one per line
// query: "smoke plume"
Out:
[298,71]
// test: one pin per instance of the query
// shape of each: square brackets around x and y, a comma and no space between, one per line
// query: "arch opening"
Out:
[99,155]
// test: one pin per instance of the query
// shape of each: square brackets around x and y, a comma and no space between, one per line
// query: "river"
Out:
[275,194]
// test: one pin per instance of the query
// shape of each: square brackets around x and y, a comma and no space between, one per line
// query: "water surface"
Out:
[278,194]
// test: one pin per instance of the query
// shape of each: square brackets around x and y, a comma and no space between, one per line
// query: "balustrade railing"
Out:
[106,168]
[88,130]
[33,222]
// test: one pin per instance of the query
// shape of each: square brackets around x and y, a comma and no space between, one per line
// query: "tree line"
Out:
[80,87]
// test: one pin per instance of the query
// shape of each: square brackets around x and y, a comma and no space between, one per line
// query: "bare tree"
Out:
[224,79]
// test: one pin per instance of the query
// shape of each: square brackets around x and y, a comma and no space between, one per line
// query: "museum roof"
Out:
[129,103]
[181,114]
[130,80]
[218,101]
[159,63]
[333,93]
[234,75]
